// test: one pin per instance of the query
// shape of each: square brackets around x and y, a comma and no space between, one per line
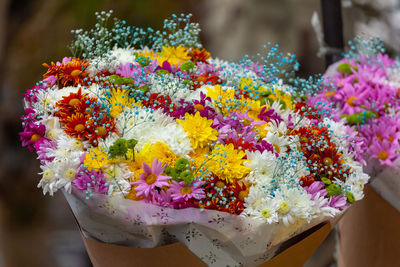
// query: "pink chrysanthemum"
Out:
[183,192]
[150,179]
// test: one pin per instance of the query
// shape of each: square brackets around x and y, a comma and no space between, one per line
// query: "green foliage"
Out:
[350,197]
[333,190]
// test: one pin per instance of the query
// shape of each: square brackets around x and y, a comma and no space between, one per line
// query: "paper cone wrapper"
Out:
[178,255]
[370,233]
[119,231]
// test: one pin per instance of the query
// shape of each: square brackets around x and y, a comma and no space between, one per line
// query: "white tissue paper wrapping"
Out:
[217,238]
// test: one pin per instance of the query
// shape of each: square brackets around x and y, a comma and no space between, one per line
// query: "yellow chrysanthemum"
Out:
[224,99]
[141,156]
[163,153]
[174,55]
[96,158]
[198,130]
[227,163]
[119,99]
[199,156]
[279,96]
[147,53]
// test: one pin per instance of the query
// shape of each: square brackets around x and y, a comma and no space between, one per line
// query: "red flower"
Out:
[198,55]
[157,101]
[70,73]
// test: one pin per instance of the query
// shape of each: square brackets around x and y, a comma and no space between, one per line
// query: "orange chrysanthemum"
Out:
[77,103]
[198,55]
[76,125]
[70,73]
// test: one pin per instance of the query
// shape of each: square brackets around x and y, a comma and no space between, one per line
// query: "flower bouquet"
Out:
[156,143]
[362,90]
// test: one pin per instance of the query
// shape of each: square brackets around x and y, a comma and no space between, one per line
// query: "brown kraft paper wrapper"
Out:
[370,233]
[293,252]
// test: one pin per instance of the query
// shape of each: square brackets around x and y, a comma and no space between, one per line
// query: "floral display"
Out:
[151,117]
[363,91]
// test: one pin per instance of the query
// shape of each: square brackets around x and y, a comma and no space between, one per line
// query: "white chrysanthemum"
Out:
[293,204]
[279,128]
[170,85]
[117,176]
[71,144]
[132,118]
[259,206]
[58,174]
[278,141]
[283,113]
[262,166]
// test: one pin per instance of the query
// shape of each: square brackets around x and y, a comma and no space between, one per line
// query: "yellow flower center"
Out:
[75,73]
[70,174]
[220,184]
[284,207]
[186,190]
[266,213]
[383,155]
[101,130]
[243,194]
[379,137]
[76,144]
[350,101]
[79,127]
[329,94]
[74,102]
[48,175]
[390,139]
[35,137]
[328,161]
[151,179]
[199,107]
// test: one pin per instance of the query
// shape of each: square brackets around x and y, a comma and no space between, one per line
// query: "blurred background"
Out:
[37,230]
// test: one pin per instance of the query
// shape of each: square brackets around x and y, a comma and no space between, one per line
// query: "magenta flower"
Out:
[42,147]
[183,192]
[151,179]
[32,133]
[91,181]
[338,202]
[269,115]
[384,151]
[316,188]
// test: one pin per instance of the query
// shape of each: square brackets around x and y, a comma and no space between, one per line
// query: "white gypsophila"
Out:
[170,85]
[132,120]
[118,176]
[262,166]
[232,72]
[111,61]
[294,203]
